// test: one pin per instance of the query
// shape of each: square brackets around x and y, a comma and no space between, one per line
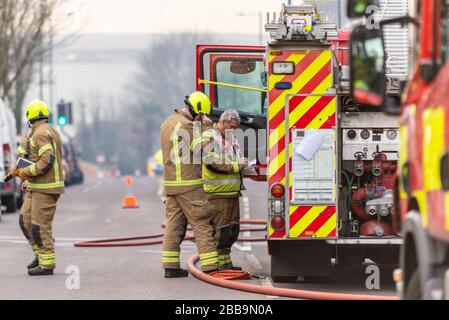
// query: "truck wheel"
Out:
[11,204]
[284,279]
[413,290]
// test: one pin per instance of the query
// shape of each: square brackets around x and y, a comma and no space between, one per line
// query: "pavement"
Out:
[93,210]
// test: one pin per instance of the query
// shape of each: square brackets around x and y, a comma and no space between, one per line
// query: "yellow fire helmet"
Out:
[199,102]
[37,110]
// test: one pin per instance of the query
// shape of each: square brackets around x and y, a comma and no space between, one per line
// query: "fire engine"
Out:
[330,162]
[422,196]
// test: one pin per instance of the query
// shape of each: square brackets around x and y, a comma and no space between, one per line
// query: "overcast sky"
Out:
[159,16]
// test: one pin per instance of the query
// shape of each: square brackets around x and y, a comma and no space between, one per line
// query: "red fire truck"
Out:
[422,189]
[330,163]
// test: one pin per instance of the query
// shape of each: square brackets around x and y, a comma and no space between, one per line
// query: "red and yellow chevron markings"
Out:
[313,221]
[313,76]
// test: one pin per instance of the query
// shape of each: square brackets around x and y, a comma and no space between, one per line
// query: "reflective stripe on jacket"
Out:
[182,168]
[221,165]
[44,145]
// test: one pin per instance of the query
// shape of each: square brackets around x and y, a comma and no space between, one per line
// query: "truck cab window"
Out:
[245,73]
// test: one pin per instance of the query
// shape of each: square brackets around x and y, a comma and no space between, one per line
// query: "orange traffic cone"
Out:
[130,200]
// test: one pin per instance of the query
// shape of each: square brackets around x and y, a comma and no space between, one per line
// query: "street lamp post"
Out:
[51,59]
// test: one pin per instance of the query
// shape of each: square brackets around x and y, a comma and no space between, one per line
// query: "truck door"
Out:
[234,77]
[302,139]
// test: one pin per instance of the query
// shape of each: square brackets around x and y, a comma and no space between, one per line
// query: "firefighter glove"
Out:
[21,174]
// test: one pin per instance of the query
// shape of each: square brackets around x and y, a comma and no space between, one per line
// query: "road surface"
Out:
[93,210]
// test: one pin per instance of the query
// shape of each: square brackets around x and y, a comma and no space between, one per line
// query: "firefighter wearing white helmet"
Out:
[44,184]
[186,202]
[223,165]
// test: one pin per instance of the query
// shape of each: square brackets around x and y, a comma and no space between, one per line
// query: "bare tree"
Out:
[166,75]
[23,25]
[167,70]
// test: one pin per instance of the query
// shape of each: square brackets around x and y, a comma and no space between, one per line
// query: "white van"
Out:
[8,146]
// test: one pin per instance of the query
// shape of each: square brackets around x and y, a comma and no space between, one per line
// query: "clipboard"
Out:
[20,164]
[23,163]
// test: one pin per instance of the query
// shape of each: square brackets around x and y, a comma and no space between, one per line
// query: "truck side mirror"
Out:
[367,66]
[357,8]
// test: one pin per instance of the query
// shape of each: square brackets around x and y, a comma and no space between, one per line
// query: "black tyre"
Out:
[285,279]
[11,204]
[79,178]
[413,289]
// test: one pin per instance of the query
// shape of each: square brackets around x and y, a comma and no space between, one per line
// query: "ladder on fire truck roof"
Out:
[397,43]
[304,22]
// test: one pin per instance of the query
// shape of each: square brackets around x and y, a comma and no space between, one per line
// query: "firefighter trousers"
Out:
[36,220]
[180,210]
[226,222]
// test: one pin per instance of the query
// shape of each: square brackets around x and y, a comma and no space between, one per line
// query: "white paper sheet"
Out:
[312,142]
[251,169]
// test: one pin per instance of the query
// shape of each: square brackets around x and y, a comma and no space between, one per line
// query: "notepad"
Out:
[23,163]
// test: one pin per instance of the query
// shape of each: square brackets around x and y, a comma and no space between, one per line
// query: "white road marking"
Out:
[159,252]
[245,246]
[266,282]
[100,174]
[64,244]
[100,177]
[97,185]
[14,238]
[15,241]
[252,259]
[240,247]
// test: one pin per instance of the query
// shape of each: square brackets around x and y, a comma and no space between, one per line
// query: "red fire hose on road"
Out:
[124,242]
[280,292]
[131,241]
[235,285]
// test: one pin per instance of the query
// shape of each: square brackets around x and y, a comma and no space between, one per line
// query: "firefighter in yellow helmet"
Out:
[186,201]
[44,184]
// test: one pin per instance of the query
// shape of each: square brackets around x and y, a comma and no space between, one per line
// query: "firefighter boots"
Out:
[176,273]
[34,264]
[39,271]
